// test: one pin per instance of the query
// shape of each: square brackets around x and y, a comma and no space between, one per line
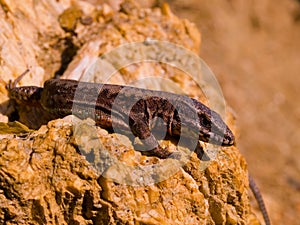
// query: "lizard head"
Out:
[212,128]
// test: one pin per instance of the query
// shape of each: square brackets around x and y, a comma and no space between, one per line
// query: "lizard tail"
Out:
[259,199]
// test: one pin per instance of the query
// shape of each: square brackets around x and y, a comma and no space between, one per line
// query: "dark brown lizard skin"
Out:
[128,109]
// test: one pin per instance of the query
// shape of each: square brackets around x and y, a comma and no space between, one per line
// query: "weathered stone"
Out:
[68,173]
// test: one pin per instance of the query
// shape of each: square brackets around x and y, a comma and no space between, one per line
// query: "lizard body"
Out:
[108,105]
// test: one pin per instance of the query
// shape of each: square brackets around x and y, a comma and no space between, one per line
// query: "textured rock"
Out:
[45,179]
[73,173]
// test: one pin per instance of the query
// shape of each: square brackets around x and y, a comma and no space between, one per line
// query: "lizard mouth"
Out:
[225,138]
[219,137]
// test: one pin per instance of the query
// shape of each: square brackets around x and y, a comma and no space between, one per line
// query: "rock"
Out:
[46,178]
[70,172]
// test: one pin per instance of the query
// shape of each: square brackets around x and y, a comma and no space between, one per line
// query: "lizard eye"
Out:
[205,122]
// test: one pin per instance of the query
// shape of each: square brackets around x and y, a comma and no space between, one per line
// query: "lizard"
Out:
[61,97]
[58,97]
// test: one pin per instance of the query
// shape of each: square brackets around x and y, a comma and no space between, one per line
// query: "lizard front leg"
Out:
[151,146]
